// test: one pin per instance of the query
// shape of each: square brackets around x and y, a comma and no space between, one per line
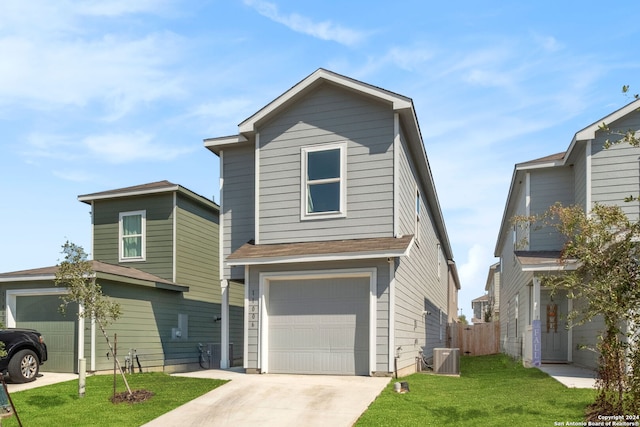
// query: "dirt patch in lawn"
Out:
[136,396]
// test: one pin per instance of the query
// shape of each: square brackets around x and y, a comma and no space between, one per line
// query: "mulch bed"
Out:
[136,396]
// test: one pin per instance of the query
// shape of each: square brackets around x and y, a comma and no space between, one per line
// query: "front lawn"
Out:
[491,391]
[59,404]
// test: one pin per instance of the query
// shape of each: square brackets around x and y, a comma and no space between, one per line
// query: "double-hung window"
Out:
[132,236]
[323,181]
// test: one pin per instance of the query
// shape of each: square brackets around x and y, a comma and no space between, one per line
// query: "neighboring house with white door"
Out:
[585,174]
[330,218]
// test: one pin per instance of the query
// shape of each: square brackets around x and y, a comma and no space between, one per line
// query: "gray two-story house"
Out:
[330,219]
[585,174]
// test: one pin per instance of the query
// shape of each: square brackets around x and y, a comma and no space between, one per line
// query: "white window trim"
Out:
[121,257]
[304,200]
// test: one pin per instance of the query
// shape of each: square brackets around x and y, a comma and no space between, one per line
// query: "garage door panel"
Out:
[319,326]
[40,312]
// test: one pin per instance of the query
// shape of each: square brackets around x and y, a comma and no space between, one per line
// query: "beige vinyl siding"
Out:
[238,201]
[197,250]
[615,172]
[548,187]
[159,232]
[327,115]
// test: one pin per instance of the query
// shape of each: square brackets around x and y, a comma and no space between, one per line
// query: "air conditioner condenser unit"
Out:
[446,361]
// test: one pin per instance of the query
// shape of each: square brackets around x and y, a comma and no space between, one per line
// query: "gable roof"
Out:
[558,159]
[399,103]
[483,298]
[319,76]
[334,250]
[147,189]
[103,271]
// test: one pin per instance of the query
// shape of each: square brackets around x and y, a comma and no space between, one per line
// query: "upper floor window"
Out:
[323,181]
[132,236]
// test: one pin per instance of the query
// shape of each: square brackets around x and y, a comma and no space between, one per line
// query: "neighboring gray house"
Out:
[493,291]
[330,218]
[480,306]
[585,174]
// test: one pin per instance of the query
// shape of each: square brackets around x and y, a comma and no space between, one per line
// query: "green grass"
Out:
[59,404]
[491,391]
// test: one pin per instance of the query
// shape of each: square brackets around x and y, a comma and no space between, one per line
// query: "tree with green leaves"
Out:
[76,274]
[602,251]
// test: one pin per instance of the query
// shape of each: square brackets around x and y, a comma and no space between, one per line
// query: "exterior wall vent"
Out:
[446,361]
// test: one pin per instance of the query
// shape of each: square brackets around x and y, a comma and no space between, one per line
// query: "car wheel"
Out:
[23,366]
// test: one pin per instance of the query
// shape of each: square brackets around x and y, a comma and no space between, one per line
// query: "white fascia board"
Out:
[543,165]
[217,144]
[541,268]
[590,131]
[319,258]
[398,102]
[556,266]
[130,193]
[28,278]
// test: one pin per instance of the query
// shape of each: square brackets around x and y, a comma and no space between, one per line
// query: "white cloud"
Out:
[325,30]
[120,74]
[547,43]
[73,175]
[133,147]
[114,148]
[120,7]
[58,60]
[221,117]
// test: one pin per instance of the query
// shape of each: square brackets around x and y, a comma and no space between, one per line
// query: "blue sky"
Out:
[97,95]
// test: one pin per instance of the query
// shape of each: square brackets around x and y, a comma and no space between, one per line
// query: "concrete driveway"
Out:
[276,400]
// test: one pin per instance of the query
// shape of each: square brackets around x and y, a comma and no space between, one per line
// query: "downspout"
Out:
[93,343]
[396,171]
[224,284]
[256,207]
[393,361]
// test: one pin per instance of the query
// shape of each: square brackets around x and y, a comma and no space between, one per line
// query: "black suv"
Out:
[26,351]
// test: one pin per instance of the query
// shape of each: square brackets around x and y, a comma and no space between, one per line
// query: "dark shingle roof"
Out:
[100,268]
[373,246]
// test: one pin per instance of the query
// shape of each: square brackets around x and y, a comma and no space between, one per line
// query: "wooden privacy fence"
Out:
[475,340]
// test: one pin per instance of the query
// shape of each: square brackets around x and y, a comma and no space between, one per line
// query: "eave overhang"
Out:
[341,250]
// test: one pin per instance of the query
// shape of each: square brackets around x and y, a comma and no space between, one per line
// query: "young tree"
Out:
[604,250]
[76,274]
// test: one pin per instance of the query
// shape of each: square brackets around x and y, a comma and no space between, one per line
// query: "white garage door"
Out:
[319,326]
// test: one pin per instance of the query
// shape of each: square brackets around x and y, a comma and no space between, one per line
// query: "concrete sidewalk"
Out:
[276,400]
[570,375]
[43,379]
